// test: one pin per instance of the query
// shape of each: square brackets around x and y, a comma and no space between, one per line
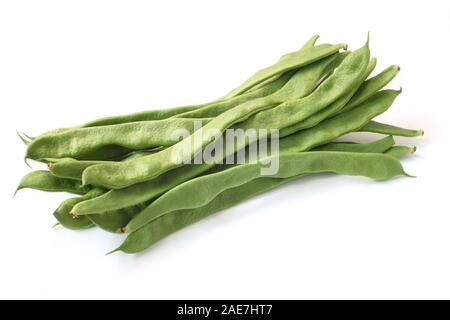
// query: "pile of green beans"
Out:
[122,169]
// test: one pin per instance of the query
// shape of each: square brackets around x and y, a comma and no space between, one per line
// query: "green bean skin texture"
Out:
[215,109]
[45,181]
[346,77]
[377,127]
[134,136]
[70,168]
[73,169]
[296,84]
[332,109]
[114,221]
[62,215]
[199,191]
[400,151]
[115,176]
[304,140]
[372,86]
[378,146]
[223,121]
[288,62]
[340,124]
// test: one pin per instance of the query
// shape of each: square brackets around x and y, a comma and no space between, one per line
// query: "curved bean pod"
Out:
[46,181]
[300,83]
[115,176]
[288,62]
[400,151]
[77,143]
[372,86]
[378,146]
[73,169]
[340,124]
[331,110]
[378,127]
[113,221]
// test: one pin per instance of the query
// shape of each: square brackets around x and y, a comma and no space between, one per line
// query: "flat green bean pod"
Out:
[73,169]
[289,62]
[400,151]
[62,215]
[77,143]
[332,109]
[70,168]
[46,181]
[378,127]
[300,83]
[214,109]
[372,86]
[116,176]
[113,221]
[340,124]
[378,146]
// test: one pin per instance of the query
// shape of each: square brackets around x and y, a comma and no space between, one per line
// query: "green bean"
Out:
[116,176]
[294,113]
[66,220]
[215,109]
[400,151]
[378,146]
[200,191]
[340,124]
[377,127]
[288,62]
[372,86]
[73,169]
[70,168]
[76,143]
[331,110]
[304,140]
[62,213]
[46,181]
[113,221]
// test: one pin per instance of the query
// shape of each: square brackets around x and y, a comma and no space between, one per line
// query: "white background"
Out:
[66,62]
